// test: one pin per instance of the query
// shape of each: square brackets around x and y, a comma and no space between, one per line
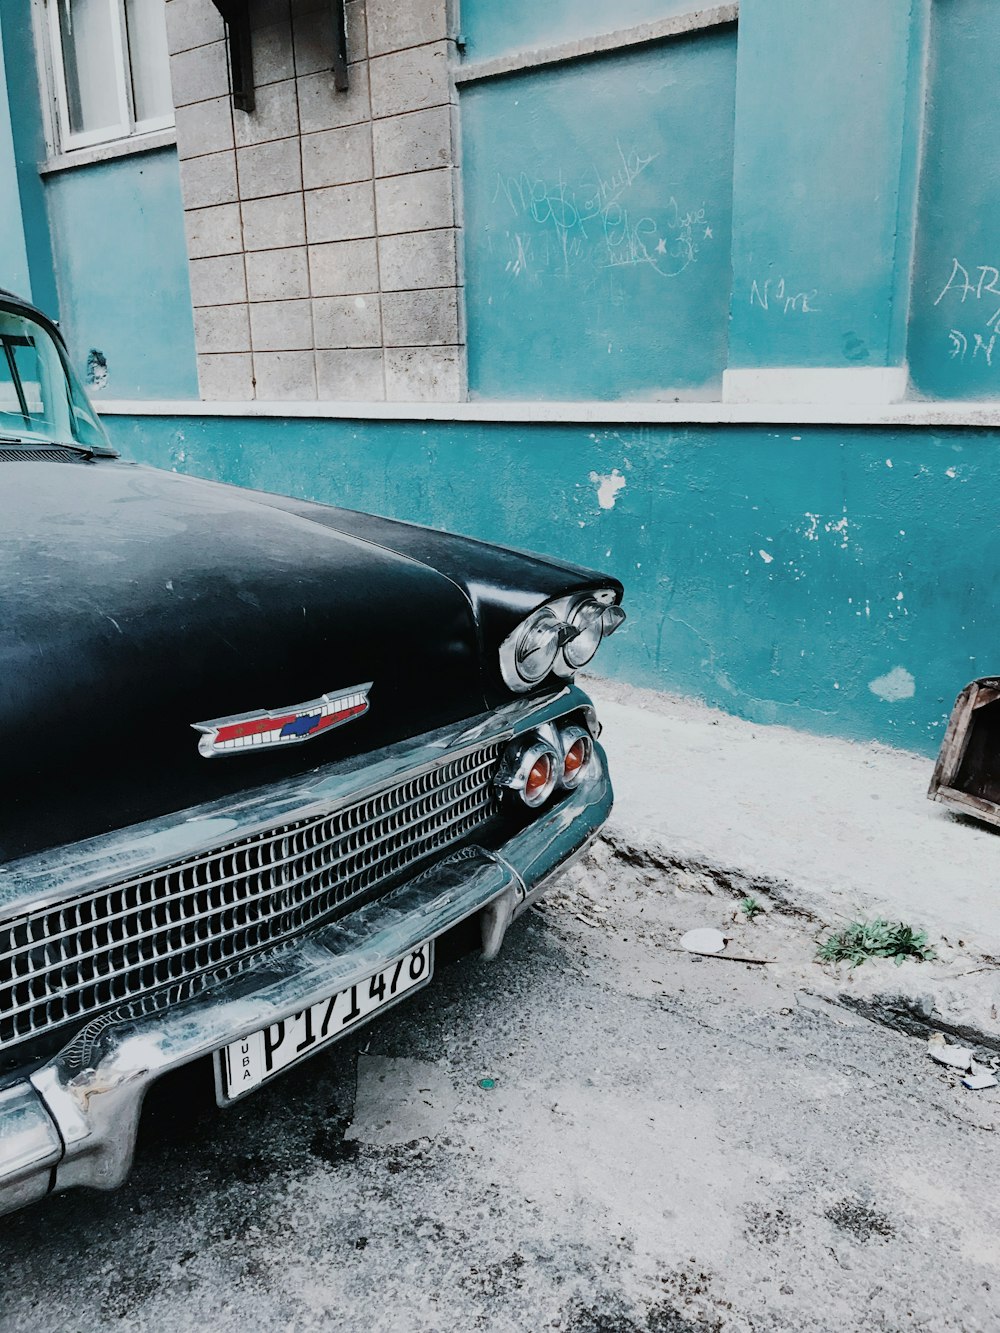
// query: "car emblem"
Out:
[283,726]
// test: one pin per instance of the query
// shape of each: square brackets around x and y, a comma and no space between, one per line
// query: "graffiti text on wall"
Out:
[779,298]
[977,338]
[594,222]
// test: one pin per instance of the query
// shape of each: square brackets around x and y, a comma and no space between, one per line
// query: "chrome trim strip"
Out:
[51,877]
[30,1147]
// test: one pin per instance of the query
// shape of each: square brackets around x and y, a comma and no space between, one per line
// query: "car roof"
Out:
[14,299]
[33,311]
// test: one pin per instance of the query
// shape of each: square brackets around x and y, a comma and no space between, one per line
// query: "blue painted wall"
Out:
[118,238]
[597,224]
[821,119]
[491,29]
[841,582]
[20,71]
[954,349]
[13,250]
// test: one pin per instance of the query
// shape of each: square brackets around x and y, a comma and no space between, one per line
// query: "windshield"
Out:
[40,398]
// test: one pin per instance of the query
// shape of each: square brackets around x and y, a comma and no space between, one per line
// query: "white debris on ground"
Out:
[703,940]
[958,1057]
[979,1077]
[976,1075]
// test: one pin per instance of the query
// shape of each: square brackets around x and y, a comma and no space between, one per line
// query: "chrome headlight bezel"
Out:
[559,617]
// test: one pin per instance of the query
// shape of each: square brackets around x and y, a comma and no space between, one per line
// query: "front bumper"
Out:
[74,1120]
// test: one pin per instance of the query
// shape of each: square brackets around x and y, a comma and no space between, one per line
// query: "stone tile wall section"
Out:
[321,228]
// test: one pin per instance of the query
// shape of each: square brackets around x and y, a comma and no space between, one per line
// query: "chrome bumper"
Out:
[74,1121]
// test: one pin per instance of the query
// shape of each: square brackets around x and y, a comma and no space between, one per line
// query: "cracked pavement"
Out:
[671,1144]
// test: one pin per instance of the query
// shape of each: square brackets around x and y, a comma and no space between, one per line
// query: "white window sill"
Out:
[107,152]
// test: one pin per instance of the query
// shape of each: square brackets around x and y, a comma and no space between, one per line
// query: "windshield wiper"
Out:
[82,449]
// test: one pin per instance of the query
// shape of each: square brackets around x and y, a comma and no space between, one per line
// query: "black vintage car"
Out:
[257,756]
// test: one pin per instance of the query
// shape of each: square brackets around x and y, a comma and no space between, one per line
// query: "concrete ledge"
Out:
[107,152]
[913,414]
[678,25]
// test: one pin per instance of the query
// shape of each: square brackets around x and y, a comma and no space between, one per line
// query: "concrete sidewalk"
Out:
[836,830]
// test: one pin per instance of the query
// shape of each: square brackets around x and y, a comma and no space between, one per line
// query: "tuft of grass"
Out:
[750,907]
[875,939]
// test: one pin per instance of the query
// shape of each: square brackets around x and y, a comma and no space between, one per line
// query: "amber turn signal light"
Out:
[530,769]
[540,762]
[539,779]
[577,751]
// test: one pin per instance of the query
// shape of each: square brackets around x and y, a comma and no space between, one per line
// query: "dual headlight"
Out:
[558,638]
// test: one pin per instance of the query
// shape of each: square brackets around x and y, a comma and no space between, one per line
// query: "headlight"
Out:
[558,638]
[537,646]
[587,619]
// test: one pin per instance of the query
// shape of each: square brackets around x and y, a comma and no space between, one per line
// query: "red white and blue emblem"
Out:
[282,726]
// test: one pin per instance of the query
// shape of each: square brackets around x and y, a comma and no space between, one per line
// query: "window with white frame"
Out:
[110,69]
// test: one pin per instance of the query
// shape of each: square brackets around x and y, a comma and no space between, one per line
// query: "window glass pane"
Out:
[10,402]
[147,46]
[88,54]
[34,391]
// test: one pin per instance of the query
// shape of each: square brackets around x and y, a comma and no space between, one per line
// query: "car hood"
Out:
[136,603]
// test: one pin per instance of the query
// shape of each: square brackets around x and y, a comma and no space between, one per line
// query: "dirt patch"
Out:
[769,1226]
[860,1220]
[330,1146]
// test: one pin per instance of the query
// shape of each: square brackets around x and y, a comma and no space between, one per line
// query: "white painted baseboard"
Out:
[861,386]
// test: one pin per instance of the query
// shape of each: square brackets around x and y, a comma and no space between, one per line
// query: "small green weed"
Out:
[875,939]
[750,907]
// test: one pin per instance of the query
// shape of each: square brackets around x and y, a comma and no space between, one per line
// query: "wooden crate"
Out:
[967,773]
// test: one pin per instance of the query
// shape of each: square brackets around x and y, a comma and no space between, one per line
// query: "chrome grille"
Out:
[71,961]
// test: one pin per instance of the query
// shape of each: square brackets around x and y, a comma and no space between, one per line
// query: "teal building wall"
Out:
[809,577]
[489,29]
[824,185]
[27,265]
[118,241]
[598,198]
[14,273]
[954,342]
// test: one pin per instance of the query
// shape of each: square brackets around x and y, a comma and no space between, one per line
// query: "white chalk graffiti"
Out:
[965,287]
[589,223]
[960,345]
[780,299]
[978,284]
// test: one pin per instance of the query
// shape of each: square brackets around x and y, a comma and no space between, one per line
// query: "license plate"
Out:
[244,1065]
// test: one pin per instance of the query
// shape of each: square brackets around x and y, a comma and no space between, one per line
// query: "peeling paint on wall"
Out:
[97,368]
[607,487]
[895,685]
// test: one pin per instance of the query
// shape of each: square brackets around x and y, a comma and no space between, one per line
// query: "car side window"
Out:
[39,398]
